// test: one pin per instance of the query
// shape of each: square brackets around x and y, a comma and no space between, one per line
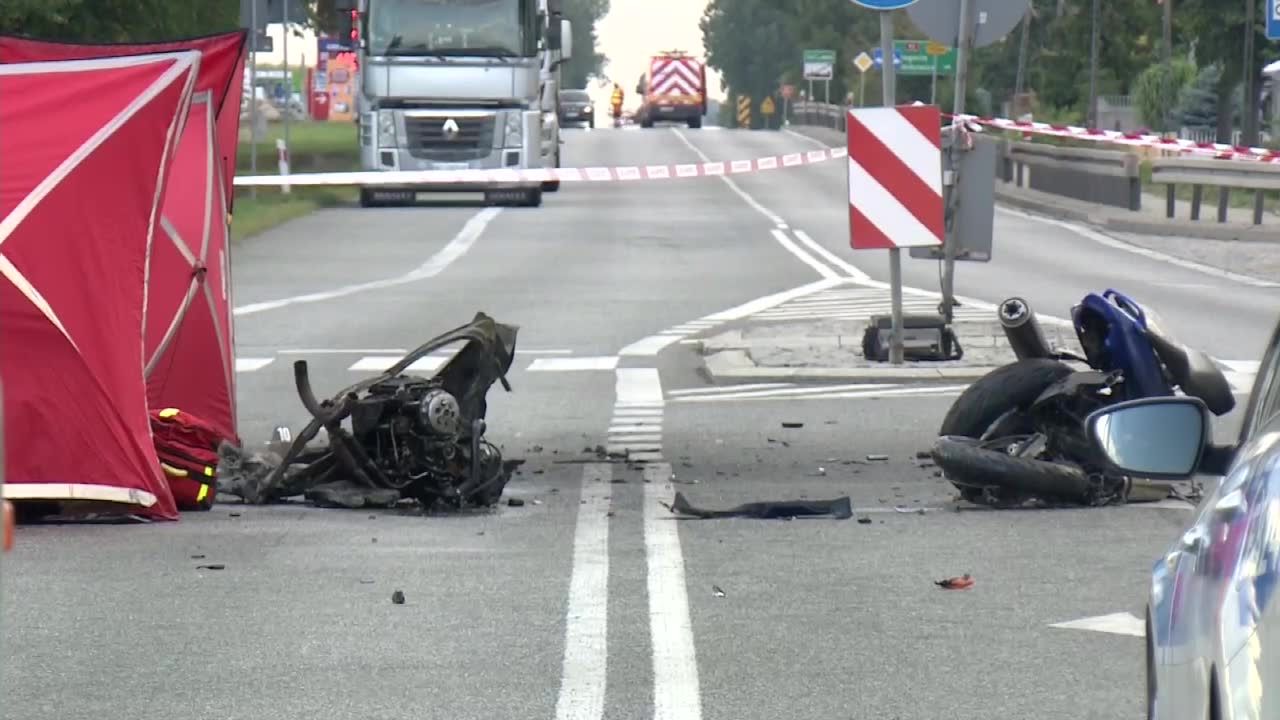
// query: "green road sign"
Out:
[819,64]
[919,56]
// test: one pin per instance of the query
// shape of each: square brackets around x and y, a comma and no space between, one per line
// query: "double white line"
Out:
[676,693]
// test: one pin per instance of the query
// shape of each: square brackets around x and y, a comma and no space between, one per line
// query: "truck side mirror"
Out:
[566,40]
[554,29]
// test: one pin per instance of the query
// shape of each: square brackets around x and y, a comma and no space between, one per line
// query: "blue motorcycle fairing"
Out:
[1125,346]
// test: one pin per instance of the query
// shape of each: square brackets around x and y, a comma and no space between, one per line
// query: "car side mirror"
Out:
[1156,438]
[566,40]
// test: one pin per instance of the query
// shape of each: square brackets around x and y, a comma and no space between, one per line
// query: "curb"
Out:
[737,365]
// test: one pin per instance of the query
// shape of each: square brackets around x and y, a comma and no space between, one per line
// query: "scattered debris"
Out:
[197,557]
[783,443]
[964,582]
[234,514]
[909,511]
[877,458]
[822,472]
[792,425]
[515,502]
[924,455]
[864,520]
[212,566]
[840,509]
[397,597]
[715,590]
[537,502]
[366,581]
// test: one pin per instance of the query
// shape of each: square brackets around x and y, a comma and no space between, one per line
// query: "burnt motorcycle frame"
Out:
[485,358]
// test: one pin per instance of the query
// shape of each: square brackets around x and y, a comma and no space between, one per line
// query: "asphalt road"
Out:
[589,600]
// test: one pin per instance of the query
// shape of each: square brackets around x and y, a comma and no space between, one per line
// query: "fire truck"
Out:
[673,90]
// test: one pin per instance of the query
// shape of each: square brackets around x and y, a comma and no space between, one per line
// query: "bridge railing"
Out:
[1110,177]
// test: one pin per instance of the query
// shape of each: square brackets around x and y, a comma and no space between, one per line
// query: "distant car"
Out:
[575,106]
[1209,614]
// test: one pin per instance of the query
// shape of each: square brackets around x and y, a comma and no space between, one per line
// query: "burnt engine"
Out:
[415,433]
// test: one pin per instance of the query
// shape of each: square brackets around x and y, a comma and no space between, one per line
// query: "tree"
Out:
[586,62]
[1198,103]
[750,43]
[1157,90]
[117,20]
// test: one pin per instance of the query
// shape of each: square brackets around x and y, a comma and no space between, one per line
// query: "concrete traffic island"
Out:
[832,350]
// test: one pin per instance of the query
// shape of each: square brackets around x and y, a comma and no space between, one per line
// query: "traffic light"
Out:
[355,29]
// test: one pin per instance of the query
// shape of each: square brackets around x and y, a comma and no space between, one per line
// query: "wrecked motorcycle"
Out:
[413,437]
[1018,433]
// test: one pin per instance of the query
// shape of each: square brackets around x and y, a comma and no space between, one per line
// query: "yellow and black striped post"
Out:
[744,111]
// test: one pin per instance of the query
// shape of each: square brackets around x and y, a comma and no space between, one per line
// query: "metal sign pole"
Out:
[895,255]
[253,93]
[288,81]
[963,50]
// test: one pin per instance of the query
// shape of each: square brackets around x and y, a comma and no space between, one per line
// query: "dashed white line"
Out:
[586,651]
[638,386]
[377,364]
[251,364]
[771,215]
[676,690]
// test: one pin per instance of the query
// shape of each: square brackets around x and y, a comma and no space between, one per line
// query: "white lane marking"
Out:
[804,257]
[651,345]
[567,364]
[456,248]
[806,138]
[770,301]
[1242,366]
[638,386]
[335,351]
[635,429]
[636,412]
[586,653]
[1118,244]
[890,391]
[1121,623]
[726,389]
[676,691]
[251,364]
[544,352]
[769,214]
[785,391]
[380,364]
[831,257]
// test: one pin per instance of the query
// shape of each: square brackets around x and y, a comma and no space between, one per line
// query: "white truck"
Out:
[458,84]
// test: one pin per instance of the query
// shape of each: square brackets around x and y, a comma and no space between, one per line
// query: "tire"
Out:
[966,462]
[534,198]
[591,123]
[1013,386]
[695,123]
[553,185]
[366,199]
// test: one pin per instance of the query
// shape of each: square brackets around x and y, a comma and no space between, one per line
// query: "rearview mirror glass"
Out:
[1152,438]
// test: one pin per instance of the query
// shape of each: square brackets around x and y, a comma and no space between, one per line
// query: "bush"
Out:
[1157,91]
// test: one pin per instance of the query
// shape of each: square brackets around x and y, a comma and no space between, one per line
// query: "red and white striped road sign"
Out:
[895,177]
[675,76]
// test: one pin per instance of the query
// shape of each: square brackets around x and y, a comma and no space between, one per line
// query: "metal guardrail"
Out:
[1105,177]
[1225,175]
[818,114]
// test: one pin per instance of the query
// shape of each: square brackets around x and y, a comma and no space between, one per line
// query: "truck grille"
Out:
[426,140]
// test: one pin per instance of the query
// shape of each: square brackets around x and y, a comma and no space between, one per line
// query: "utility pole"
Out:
[1167,35]
[1023,49]
[1093,66]
[1249,113]
[288,81]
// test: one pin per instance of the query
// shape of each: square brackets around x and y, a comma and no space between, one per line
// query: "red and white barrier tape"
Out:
[1223,151]
[514,175]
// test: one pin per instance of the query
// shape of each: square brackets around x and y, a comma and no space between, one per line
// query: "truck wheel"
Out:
[366,199]
[552,185]
[534,198]
[646,122]
[695,123]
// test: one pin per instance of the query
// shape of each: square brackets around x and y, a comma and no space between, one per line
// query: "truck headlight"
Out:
[386,129]
[514,130]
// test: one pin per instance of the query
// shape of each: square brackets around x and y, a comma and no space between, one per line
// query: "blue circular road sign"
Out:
[884,4]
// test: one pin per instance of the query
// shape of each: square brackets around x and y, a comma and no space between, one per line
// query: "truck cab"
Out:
[458,85]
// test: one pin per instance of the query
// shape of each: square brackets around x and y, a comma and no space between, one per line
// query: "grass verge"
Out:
[313,147]
[272,207]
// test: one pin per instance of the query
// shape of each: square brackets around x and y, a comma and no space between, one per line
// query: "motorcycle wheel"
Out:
[1000,398]
[966,461]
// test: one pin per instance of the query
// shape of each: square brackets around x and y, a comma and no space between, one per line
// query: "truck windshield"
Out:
[495,28]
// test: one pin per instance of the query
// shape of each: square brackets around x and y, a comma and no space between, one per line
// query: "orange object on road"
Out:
[963,582]
[8,525]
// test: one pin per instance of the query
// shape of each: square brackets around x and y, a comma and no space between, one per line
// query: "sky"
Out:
[636,29]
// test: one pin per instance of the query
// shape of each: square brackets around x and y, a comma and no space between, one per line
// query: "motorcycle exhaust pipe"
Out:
[1022,330]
